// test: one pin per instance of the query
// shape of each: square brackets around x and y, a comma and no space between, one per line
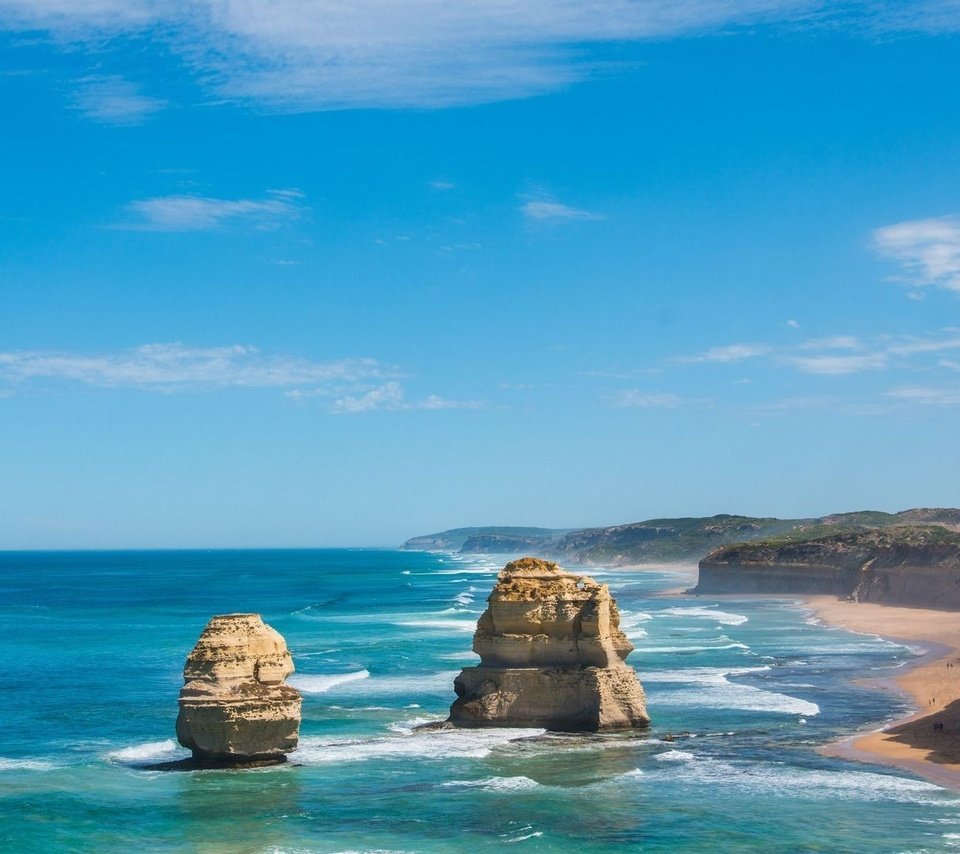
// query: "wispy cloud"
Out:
[178,367]
[836,342]
[927,396]
[928,250]
[349,386]
[634,397]
[911,346]
[203,213]
[78,18]
[113,100]
[837,364]
[543,209]
[390,397]
[727,353]
[821,356]
[320,54]
[442,185]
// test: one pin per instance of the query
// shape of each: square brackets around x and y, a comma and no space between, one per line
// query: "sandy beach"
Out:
[928,741]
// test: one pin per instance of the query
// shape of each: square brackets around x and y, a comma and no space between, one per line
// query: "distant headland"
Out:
[673,540]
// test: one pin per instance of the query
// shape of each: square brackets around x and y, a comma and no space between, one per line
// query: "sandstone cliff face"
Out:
[916,566]
[551,655]
[234,707]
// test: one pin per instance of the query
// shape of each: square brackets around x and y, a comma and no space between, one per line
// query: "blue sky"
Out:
[305,273]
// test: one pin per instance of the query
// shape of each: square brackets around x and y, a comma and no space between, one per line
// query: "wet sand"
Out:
[928,741]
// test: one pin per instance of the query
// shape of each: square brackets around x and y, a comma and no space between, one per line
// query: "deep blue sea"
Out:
[741,693]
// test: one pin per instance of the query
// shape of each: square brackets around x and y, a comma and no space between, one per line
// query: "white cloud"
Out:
[927,396]
[390,397]
[78,18]
[636,398]
[442,185]
[837,364]
[201,213]
[728,353]
[793,324]
[549,210]
[323,54]
[837,342]
[913,345]
[112,100]
[928,250]
[795,404]
[177,367]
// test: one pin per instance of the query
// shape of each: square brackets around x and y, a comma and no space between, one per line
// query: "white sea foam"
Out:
[408,726]
[710,613]
[693,648]
[497,784]
[474,571]
[699,675]
[533,835]
[309,684]
[675,756]
[714,690]
[25,764]
[629,619]
[151,751]
[745,698]
[439,625]
[783,780]
[376,687]
[466,655]
[360,708]
[465,598]
[429,745]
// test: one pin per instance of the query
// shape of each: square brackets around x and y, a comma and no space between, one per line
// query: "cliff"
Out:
[502,544]
[234,707]
[915,565]
[551,655]
[662,540]
[464,539]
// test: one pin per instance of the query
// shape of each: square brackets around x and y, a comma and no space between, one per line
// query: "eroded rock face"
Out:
[234,707]
[551,655]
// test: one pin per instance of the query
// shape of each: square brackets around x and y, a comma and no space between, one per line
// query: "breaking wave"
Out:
[321,684]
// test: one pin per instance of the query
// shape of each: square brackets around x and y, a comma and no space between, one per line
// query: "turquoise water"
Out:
[93,646]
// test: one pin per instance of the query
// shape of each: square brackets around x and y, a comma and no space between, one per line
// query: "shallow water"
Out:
[740,691]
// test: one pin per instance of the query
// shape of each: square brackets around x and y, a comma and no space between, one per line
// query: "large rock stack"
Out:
[551,655]
[234,707]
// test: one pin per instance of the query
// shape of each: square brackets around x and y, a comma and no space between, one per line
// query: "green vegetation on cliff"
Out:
[682,539]
[917,565]
[843,543]
[455,538]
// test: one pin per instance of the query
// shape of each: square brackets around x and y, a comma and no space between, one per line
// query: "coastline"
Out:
[927,741]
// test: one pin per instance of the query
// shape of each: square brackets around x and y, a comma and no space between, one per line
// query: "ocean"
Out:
[741,693]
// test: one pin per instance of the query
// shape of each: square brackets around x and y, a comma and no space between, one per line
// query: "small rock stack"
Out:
[234,708]
[552,655]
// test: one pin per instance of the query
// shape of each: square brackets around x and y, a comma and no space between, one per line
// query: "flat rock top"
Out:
[532,578]
[239,647]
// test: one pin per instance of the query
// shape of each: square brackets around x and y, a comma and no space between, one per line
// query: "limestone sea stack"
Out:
[234,707]
[551,655]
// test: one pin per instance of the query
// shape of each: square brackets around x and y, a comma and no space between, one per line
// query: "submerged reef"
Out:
[551,655]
